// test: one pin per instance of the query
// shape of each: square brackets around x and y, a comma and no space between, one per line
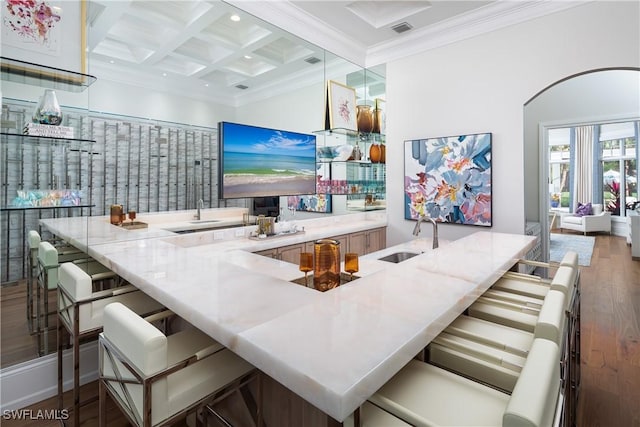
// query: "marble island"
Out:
[334,349]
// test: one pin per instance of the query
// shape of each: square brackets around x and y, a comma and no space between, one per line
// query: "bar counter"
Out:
[334,349]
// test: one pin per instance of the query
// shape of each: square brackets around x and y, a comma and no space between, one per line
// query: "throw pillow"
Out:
[583,210]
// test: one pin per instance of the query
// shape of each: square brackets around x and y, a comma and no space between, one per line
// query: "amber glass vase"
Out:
[326,272]
[375,153]
[364,117]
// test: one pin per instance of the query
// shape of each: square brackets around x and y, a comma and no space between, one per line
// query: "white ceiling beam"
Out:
[112,13]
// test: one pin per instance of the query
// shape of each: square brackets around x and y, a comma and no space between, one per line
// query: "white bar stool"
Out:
[424,395]
[48,263]
[157,379]
[81,311]
[65,253]
[491,358]
[536,286]
[522,316]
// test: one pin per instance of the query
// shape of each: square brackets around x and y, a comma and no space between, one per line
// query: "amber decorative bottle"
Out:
[326,272]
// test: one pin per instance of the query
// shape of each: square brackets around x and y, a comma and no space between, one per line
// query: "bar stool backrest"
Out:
[146,350]
[564,281]
[78,285]
[33,240]
[552,321]
[48,260]
[534,398]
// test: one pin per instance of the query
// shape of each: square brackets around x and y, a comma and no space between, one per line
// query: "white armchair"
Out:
[600,220]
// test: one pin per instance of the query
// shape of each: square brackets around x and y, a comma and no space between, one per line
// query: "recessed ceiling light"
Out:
[234,18]
[112,61]
[247,57]
[206,85]
[164,74]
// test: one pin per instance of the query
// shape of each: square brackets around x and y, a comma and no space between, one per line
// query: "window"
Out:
[559,154]
[619,167]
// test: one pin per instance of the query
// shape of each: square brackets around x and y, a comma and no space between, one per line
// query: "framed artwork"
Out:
[449,179]
[340,111]
[45,32]
[312,203]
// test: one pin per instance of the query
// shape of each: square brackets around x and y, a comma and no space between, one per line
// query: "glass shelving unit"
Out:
[17,71]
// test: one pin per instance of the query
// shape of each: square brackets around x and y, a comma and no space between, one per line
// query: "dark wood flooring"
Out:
[610,345]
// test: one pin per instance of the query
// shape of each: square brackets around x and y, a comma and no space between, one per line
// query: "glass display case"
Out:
[352,163]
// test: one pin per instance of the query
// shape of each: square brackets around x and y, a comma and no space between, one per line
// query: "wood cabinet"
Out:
[365,242]
[289,253]
[361,242]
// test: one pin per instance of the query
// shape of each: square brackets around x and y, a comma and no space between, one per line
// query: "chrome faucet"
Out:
[423,218]
[200,205]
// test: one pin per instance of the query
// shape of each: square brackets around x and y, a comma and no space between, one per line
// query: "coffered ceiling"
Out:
[215,50]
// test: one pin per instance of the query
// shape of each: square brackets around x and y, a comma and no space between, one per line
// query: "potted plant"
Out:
[555,200]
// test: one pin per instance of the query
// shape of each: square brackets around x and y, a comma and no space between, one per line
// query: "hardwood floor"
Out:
[610,324]
[610,346]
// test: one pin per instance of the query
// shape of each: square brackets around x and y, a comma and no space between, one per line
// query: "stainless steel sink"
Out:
[398,257]
[204,221]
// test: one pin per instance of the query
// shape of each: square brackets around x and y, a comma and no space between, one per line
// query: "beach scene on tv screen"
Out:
[264,162]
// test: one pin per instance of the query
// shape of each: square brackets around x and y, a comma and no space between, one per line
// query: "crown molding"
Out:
[494,16]
[298,22]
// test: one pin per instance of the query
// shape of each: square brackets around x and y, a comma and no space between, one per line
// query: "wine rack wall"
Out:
[145,165]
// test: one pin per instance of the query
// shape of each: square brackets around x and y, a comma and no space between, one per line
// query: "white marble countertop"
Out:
[336,348]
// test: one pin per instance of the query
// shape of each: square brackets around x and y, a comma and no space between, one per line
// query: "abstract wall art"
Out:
[313,203]
[449,179]
[53,32]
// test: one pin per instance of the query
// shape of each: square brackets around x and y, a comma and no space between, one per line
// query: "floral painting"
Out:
[449,179]
[341,106]
[313,203]
[34,24]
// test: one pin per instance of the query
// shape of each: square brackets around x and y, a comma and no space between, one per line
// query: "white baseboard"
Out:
[30,382]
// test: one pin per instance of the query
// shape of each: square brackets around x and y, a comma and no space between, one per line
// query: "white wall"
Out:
[298,111]
[481,85]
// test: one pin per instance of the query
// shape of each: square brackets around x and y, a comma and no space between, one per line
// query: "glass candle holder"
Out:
[351,264]
[116,214]
[306,264]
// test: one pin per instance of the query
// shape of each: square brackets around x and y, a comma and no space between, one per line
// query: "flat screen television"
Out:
[262,162]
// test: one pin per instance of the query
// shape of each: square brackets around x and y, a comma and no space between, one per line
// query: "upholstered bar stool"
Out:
[495,354]
[425,395]
[522,316]
[48,263]
[157,379]
[81,311]
[65,253]
[532,285]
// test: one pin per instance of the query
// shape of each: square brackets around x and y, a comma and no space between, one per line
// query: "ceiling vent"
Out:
[312,60]
[402,27]
[243,87]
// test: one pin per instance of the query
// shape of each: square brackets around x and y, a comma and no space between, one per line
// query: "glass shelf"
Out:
[28,73]
[353,135]
[43,138]
[28,208]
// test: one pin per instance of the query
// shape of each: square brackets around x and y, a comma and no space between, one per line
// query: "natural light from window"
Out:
[616,167]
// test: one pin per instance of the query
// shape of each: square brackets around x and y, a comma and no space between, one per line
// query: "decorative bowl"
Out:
[343,152]
[326,153]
